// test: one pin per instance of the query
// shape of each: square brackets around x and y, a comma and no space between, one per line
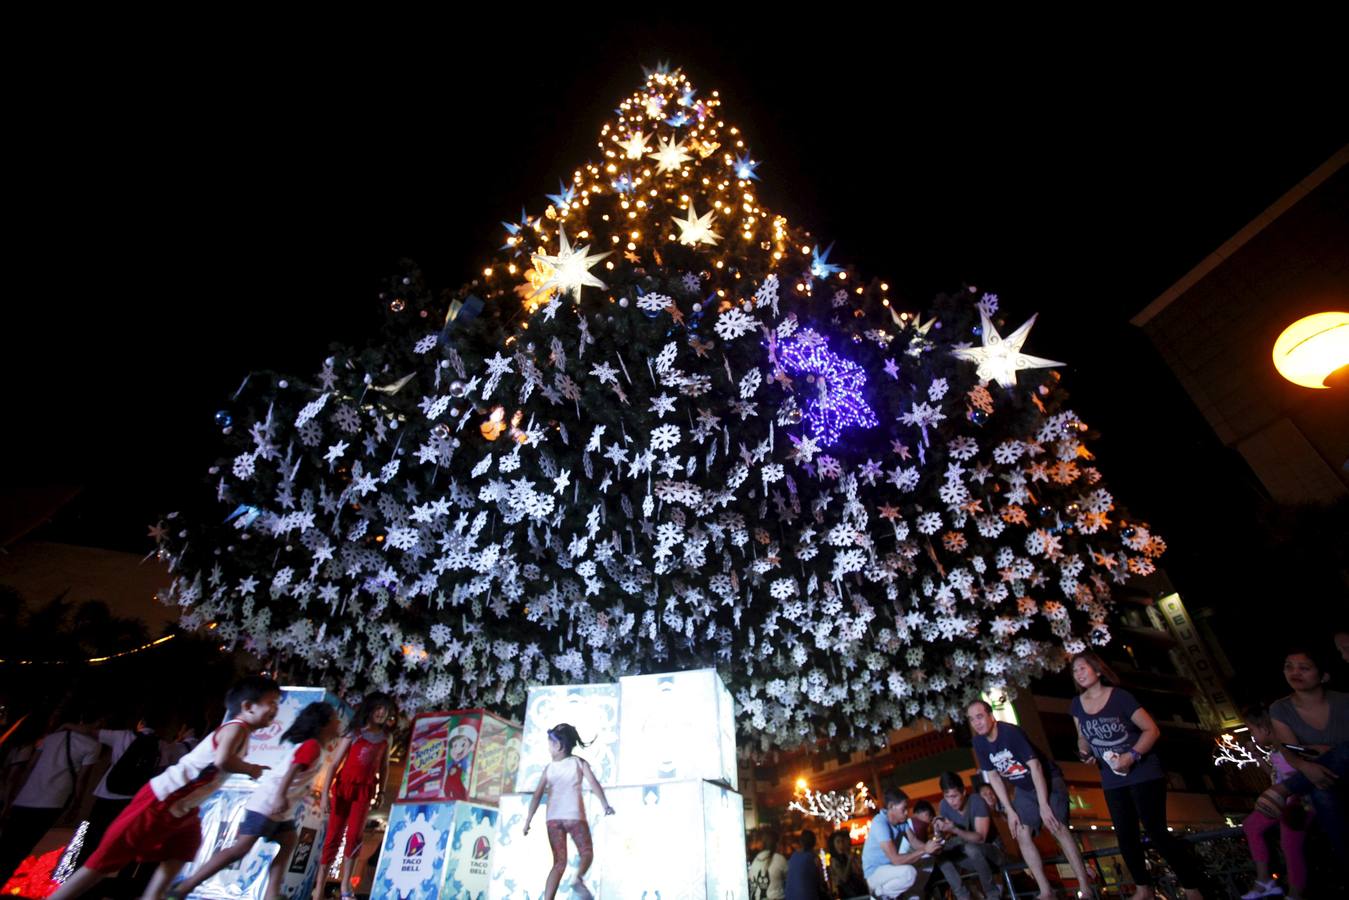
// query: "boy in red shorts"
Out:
[160,823]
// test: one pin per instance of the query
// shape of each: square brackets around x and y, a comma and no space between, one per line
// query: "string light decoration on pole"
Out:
[666,428]
[832,806]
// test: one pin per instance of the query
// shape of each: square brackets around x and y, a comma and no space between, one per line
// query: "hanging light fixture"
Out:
[1312,348]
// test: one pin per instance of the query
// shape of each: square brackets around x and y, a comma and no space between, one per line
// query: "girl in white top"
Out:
[566,811]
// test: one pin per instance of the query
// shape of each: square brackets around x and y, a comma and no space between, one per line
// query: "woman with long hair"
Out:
[1115,732]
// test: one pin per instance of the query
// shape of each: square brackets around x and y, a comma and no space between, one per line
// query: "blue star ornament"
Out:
[832,398]
[566,193]
[820,266]
[514,230]
[745,168]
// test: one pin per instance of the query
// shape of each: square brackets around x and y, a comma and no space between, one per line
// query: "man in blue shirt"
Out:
[1005,755]
[804,881]
[889,864]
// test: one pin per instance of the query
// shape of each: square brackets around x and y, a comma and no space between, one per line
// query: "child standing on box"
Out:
[268,813]
[160,824]
[566,811]
[361,767]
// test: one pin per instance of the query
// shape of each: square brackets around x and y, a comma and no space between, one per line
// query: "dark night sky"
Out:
[188,215]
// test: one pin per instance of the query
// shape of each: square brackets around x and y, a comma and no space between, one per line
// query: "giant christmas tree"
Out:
[663,429]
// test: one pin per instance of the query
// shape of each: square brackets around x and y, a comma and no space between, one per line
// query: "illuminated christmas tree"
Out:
[663,429]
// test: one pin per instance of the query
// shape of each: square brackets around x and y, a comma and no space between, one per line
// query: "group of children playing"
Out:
[161,826]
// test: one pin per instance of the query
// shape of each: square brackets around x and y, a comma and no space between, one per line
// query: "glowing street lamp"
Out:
[1312,348]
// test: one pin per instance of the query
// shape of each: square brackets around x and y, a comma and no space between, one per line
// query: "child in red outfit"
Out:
[361,767]
[160,823]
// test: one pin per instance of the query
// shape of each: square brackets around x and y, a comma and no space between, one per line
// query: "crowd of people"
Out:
[912,848]
[143,827]
[143,821]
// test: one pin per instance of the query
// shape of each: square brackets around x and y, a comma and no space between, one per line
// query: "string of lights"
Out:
[91,661]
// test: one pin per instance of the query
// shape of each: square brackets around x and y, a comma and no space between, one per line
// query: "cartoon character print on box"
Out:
[459,765]
[592,708]
[440,757]
[470,858]
[412,858]
[520,862]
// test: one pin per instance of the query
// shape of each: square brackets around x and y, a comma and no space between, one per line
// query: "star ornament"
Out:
[671,156]
[566,194]
[636,146]
[820,266]
[570,268]
[836,384]
[696,229]
[1000,358]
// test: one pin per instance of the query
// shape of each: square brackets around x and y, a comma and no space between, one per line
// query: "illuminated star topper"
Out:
[1000,358]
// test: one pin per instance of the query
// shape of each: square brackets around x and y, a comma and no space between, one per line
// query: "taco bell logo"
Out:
[415,845]
[482,847]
